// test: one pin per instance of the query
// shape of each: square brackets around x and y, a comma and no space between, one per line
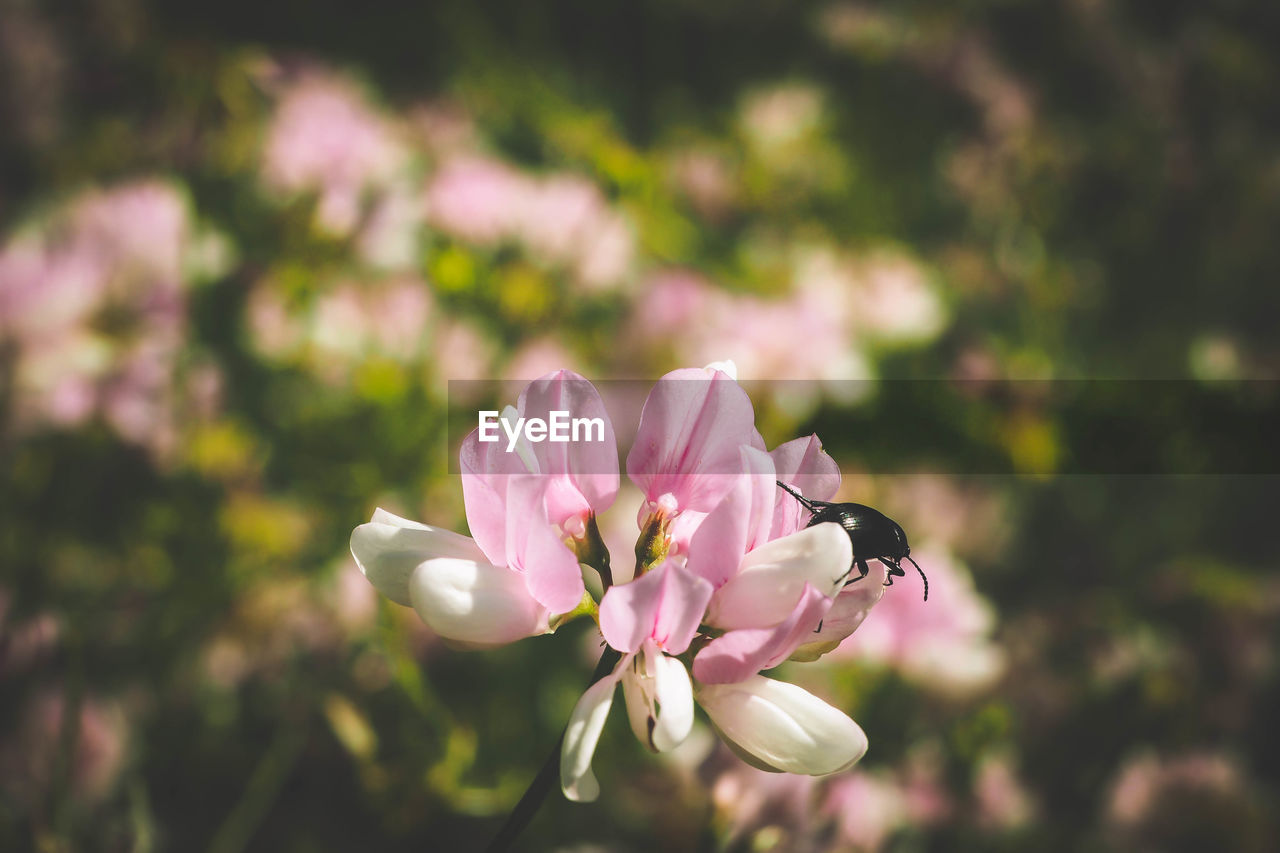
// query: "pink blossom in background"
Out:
[344,326]
[389,238]
[560,219]
[138,229]
[958,516]
[92,298]
[558,211]
[275,331]
[825,352]
[895,301]
[700,322]
[867,809]
[324,137]
[1002,799]
[1144,780]
[352,599]
[462,350]
[881,296]
[341,328]
[707,180]
[400,311]
[672,301]
[283,618]
[606,254]
[944,642]
[751,800]
[476,199]
[565,220]
[857,810]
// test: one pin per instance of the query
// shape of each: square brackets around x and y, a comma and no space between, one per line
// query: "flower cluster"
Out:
[93,312]
[729,581]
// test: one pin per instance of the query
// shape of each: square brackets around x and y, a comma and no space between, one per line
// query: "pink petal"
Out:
[803,464]
[587,468]
[853,604]
[550,569]
[687,444]
[738,655]
[486,467]
[771,578]
[739,522]
[665,605]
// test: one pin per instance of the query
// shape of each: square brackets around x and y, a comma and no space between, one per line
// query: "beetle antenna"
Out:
[922,577]
[804,502]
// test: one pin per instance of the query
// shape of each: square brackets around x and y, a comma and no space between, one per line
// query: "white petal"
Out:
[389,548]
[475,602]
[771,578]
[783,727]
[674,703]
[581,736]
[659,698]
[727,367]
[524,448]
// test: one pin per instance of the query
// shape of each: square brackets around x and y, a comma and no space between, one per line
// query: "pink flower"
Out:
[686,449]
[648,619]
[868,809]
[699,321]
[476,199]
[1146,780]
[325,137]
[582,475]
[124,253]
[772,594]
[1003,800]
[561,220]
[517,571]
[750,799]
[723,558]
[452,584]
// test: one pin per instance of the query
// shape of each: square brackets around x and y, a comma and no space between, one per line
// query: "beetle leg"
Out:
[863,571]
[818,630]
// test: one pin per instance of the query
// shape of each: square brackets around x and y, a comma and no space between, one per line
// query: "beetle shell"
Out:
[872,533]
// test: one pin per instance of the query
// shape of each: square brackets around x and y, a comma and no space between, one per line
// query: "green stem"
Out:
[547,776]
[592,552]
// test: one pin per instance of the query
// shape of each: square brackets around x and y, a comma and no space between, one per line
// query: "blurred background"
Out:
[246,245]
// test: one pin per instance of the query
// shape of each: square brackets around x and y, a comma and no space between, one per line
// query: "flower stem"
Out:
[546,778]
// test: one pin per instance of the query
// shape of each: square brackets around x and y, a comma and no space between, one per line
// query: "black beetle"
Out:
[873,534]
